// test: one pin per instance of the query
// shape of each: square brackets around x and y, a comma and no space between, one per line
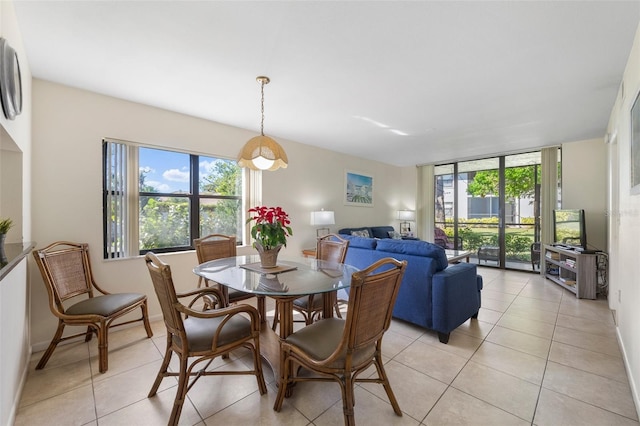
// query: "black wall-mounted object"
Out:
[10,81]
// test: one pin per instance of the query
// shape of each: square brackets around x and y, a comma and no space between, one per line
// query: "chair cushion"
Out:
[321,338]
[303,302]
[200,331]
[238,295]
[105,305]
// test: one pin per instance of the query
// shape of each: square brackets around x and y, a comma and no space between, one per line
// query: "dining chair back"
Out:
[331,248]
[212,247]
[201,336]
[340,349]
[66,271]
[219,246]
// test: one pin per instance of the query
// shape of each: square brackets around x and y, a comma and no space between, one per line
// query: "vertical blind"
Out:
[115,199]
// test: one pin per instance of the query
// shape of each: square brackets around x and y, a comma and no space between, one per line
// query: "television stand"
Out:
[573,270]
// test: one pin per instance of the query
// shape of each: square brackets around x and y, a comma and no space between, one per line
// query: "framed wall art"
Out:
[635,146]
[358,189]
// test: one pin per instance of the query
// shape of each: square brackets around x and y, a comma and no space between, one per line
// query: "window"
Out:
[160,200]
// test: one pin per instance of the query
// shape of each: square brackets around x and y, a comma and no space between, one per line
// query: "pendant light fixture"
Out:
[262,152]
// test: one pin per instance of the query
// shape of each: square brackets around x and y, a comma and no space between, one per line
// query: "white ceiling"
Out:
[459,79]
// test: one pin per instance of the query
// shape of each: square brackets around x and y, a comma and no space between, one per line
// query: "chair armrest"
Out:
[213,295]
[97,287]
[235,317]
[455,296]
[228,312]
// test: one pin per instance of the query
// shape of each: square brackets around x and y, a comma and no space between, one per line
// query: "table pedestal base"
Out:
[270,340]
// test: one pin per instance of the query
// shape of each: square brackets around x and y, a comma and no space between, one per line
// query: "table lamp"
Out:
[322,217]
[406,216]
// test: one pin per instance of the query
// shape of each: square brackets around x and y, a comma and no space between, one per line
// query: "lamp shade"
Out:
[262,153]
[322,217]
[406,215]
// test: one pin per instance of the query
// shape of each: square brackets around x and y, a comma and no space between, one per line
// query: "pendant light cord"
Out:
[262,108]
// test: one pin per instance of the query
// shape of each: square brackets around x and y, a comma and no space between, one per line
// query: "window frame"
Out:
[129,195]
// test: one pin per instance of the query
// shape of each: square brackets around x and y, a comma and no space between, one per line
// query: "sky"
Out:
[168,171]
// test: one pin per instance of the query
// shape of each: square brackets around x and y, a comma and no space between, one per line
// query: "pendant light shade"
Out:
[262,152]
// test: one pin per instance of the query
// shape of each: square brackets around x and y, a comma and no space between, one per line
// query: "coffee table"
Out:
[455,256]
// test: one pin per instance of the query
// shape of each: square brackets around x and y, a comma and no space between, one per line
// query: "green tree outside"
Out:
[520,182]
[164,220]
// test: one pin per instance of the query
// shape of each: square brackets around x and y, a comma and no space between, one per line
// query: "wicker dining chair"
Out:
[332,248]
[340,349]
[66,271]
[203,335]
[218,246]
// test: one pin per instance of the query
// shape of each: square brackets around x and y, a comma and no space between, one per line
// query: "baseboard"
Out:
[632,384]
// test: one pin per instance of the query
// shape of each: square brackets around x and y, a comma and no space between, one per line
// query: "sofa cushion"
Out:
[364,233]
[360,242]
[373,231]
[416,248]
[349,231]
[395,235]
[381,231]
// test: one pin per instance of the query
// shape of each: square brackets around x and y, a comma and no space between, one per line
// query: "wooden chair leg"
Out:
[283,383]
[387,386]
[103,347]
[145,319]
[163,368]
[338,313]
[181,392]
[276,318]
[257,366]
[308,316]
[262,307]
[348,400]
[52,346]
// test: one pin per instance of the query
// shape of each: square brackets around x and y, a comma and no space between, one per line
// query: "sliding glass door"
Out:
[491,207]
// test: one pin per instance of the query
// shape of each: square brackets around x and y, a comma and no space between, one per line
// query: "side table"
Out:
[311,253]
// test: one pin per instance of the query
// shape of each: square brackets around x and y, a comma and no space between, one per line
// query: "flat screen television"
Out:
[569,228]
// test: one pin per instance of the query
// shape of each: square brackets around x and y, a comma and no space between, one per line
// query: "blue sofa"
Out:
[433,294]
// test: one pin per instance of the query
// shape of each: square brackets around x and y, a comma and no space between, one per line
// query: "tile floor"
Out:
[535,356]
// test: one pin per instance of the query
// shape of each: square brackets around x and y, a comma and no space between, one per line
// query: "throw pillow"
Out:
[395,235]
[364,233]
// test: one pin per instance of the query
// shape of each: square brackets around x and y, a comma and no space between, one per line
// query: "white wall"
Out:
[584,167]
[15,202]
[15,138]
[624,224]
[68,127]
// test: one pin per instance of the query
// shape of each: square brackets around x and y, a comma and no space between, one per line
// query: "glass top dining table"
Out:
[291,277]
